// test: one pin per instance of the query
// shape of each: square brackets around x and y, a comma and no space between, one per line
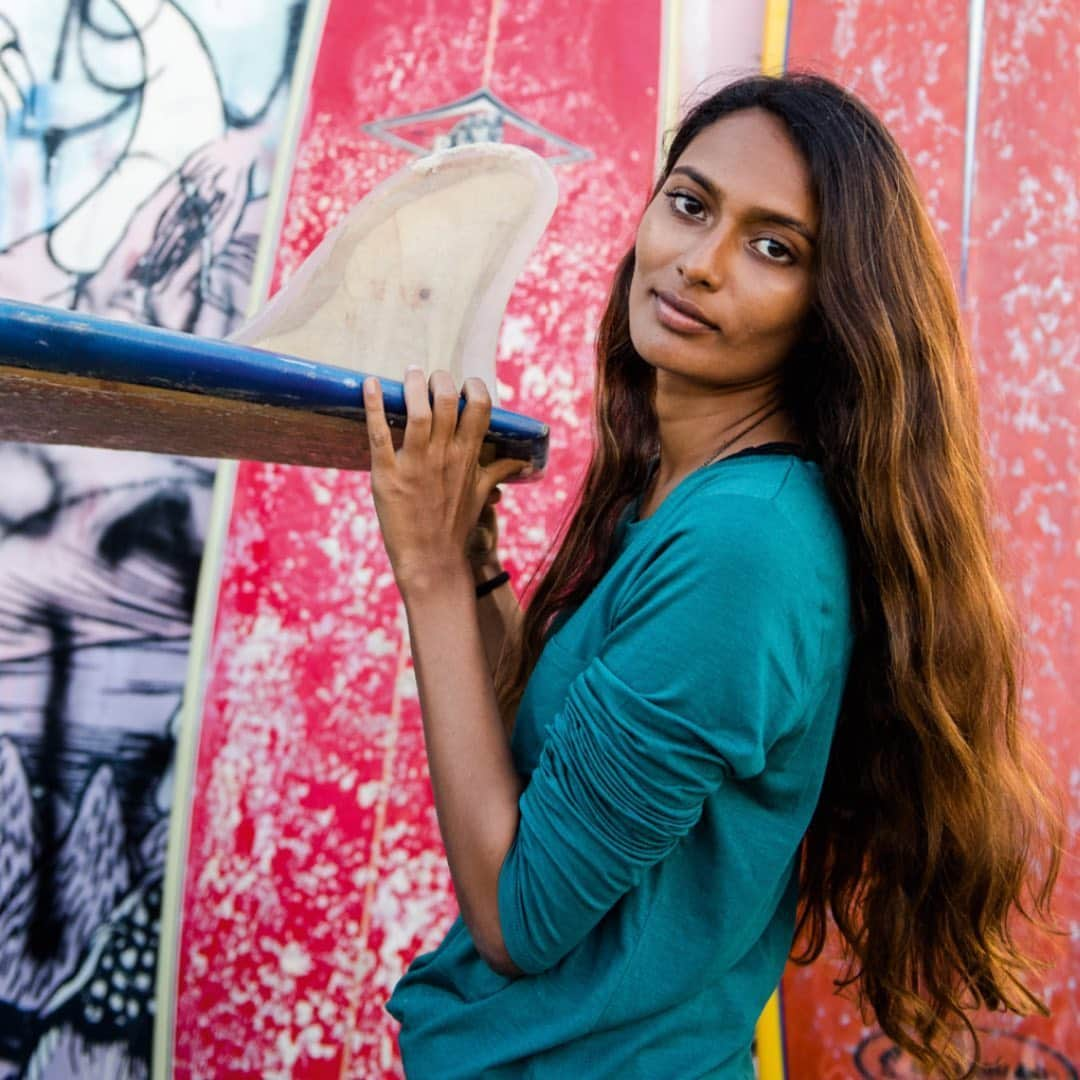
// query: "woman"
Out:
[770,673]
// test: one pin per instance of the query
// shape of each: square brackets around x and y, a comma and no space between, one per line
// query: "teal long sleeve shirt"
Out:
[674,736]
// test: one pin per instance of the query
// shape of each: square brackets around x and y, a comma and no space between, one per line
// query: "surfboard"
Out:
[134,164]
[78,379]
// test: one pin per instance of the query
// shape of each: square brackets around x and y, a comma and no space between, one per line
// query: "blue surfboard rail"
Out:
[77,343]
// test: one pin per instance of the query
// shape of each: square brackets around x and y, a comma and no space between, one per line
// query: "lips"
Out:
[681,315]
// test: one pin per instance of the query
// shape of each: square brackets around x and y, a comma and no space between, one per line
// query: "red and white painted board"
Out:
[911,63]
[315,869]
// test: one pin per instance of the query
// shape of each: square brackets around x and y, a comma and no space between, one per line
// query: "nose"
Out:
[706,260]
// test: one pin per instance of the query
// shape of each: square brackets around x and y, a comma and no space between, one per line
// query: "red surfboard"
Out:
[976,101]
[314,869]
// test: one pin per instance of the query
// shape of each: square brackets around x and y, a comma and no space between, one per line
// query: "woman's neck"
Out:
[694,427]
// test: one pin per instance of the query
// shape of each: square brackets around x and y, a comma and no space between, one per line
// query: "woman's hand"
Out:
[430,494]
[482,543]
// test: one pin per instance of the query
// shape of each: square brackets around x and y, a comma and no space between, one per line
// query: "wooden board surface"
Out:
[69,410]
[42,407]
[77,379]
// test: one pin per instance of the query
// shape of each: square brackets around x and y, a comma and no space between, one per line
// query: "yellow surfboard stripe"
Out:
[774,39]
[770,1029]
[668,97]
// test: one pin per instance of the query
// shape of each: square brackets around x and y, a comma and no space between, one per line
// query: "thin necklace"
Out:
[723,446]
[739,434]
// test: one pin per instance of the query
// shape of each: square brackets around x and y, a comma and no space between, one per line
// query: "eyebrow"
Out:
[761,212]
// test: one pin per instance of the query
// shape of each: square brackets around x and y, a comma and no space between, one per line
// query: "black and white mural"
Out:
[137,139]
[97,582]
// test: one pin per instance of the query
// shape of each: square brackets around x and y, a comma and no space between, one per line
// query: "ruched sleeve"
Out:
[705,667]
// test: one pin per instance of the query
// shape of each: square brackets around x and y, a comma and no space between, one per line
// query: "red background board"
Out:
[910,63]
[315,868]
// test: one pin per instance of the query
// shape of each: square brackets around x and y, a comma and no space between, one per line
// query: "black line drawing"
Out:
[136,143]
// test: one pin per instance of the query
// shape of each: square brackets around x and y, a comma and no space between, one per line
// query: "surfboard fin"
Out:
[420,270]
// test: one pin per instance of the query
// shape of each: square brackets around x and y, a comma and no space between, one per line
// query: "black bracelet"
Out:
[492,584]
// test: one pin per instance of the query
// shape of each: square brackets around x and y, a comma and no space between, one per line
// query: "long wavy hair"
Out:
[934,829]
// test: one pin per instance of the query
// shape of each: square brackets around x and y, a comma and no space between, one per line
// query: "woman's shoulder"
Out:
[760,475]
[761,483]
[775,505]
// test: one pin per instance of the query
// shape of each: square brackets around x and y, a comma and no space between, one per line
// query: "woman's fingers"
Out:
[418,408]
[476,416]
[501,470]
[444,413]
[436,423]
[472,427]
[380,439]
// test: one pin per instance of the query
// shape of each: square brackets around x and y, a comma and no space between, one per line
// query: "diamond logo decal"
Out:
[479,117]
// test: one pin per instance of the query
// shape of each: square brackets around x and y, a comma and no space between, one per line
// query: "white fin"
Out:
[419,271]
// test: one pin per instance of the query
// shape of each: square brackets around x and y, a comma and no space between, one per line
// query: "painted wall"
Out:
[135,153]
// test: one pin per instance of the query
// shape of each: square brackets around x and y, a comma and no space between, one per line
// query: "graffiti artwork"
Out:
[137,144]
[97,584]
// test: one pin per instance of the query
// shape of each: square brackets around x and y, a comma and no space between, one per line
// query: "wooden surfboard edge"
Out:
[127,416]
[185,755]
[63,342]
[132,416]
[210,568]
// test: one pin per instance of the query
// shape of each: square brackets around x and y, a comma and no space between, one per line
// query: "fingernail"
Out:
[413,367]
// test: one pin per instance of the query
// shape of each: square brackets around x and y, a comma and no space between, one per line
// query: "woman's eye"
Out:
[685,204]
[773,249]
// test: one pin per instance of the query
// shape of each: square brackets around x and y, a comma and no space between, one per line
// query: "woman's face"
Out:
[722,279]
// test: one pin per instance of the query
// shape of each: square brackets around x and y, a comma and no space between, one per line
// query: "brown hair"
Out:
[934,827]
